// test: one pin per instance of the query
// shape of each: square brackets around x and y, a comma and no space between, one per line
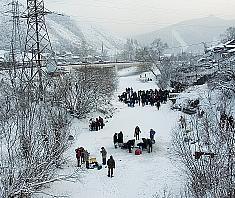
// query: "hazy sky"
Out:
[131,17]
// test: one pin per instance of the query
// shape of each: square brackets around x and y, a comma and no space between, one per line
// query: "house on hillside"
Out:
[230,47]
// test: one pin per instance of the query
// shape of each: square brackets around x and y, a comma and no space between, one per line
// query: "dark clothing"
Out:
[101,121]
[149,142]
[130,144]
[152,133]
[143,144]
[120,137]
[129,147]
[137,133]
[158,104]
[115,140]
[111,166]
[110,172]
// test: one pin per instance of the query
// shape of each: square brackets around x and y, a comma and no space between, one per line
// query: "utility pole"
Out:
[38,53]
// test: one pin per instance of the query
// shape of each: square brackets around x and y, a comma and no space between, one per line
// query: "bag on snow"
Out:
[137,152]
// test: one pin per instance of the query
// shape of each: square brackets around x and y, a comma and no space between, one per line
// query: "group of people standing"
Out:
[97,124]
[83,155]
[146,144]
[118,139]
[144,97]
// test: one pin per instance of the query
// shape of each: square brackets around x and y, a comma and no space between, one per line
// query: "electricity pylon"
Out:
[38,54]
[15,45]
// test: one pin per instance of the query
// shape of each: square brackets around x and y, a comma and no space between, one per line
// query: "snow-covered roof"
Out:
[231,50]
[231,42]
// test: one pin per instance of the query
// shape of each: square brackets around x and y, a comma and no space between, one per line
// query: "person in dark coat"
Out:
[97,124]
[111,166]
[82,154]
[150,144]
[115,140]
[130,144]
[101,121]
[120,139]
[158,104]
[137,132]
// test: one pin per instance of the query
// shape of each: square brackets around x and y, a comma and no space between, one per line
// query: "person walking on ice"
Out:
[111,166]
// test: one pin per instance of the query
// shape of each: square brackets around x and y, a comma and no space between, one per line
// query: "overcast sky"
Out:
[131,17]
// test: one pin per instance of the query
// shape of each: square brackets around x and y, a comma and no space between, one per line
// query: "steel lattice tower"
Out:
[15,48]
[38,53]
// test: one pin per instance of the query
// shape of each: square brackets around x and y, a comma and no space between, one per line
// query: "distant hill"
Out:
[64,32]
[189,34]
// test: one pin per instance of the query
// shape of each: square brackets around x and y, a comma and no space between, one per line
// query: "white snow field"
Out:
[135,176]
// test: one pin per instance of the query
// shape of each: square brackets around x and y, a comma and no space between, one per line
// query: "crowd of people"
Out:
[146,144]
[96,124]
[144,97]
[141,97]
[83,156]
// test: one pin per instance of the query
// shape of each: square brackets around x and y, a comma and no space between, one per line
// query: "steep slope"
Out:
[65,32]
[98,35]
[189,34]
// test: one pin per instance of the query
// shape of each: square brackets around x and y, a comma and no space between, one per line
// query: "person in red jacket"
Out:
[78,156]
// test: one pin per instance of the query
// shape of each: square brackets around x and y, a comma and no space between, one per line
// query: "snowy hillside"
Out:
[65,32]
[189,35]
[98,35]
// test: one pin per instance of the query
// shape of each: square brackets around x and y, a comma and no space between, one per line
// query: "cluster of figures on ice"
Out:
[83,156]
[97,124]
[147,143]
[144,97]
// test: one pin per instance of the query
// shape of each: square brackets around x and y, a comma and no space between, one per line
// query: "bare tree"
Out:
[205,147]
[228,35]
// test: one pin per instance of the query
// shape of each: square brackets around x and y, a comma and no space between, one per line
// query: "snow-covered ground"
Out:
[135,176]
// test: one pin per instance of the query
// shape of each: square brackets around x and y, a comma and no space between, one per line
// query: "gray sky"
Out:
[131,17]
